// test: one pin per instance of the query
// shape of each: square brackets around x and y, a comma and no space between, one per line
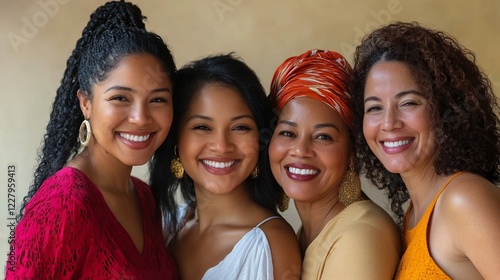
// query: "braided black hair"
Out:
[115,30]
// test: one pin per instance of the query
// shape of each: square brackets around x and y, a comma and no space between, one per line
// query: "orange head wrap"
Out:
[319,74]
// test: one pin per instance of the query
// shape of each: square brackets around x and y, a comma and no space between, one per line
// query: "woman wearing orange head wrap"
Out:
[344,235]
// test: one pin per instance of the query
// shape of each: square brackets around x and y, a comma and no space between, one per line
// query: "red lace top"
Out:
[68,232]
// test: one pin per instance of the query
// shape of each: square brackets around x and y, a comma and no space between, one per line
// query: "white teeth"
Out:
[218,164]
[299,171]
[396,143]
[135,138]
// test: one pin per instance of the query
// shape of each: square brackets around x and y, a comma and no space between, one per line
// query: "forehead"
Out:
[218,99]
[305,109]
[389,75]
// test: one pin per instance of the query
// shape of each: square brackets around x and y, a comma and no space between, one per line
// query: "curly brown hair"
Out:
[462,106]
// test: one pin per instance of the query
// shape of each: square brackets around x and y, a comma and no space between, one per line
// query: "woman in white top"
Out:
[230,229]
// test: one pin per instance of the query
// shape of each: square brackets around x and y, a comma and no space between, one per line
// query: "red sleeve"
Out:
[52,240]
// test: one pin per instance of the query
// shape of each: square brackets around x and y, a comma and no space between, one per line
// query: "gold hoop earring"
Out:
[283,204]
[255,172]
[176,166]
[84,130]
[350,187]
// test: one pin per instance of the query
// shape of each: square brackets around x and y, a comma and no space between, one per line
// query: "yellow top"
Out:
[361,242]
[417,263]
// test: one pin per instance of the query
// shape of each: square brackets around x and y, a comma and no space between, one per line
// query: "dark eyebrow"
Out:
[321,125]
[399,95]
[288,123]
[122,88]
[241,117]
[199,117]
[211,119]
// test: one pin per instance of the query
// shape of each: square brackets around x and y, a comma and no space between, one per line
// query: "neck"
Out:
[422,187]
[108,174]
[230,208]
[314,217]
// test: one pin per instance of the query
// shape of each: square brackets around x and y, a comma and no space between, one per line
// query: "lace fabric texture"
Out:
[69,232]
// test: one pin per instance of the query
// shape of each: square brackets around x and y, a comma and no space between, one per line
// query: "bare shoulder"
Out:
[470,193]
[287,262]
[467,214]
[279,231]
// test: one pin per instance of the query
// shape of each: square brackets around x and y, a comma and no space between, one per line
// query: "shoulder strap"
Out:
[267,219]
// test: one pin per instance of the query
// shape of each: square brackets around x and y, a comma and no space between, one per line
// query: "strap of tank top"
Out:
[433,202]
[267,219]
[445,185]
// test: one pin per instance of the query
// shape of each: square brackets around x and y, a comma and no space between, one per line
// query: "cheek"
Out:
[276,150]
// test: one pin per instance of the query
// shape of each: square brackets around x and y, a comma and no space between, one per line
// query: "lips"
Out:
[136,141]
[218,164]
[135,138]
[219,167]
[396,146]
[301,172]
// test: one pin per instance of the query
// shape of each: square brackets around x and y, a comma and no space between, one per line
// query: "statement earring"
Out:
[84,133]
[350,187]
[176,166]
[255,172]
[283,204]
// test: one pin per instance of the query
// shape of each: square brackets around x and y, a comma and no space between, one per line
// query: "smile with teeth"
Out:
[396,143]
[218,164]
[299,171]
[135,138]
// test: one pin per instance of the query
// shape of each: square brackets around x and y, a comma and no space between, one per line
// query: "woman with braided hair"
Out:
[84,216]
[344,235]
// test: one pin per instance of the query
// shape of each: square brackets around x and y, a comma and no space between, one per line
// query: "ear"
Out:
[85,104]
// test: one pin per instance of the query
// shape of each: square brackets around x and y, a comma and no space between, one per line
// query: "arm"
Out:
[471,209]
[287,263]
[48,241]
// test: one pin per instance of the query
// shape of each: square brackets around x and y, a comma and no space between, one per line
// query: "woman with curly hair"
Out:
[428,130]
[85,216]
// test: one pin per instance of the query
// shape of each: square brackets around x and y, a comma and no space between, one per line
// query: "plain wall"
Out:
[37,37]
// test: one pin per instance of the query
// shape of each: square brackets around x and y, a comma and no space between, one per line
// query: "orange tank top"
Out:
[417,262]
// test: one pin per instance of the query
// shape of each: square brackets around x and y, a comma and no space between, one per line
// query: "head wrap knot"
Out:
[319,74]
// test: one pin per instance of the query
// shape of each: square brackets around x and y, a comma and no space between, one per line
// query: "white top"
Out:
[250,258]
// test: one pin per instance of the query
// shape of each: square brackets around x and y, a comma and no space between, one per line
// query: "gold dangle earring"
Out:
[84,133]
[350,187]
[176,166]
[255,172]
[283,204]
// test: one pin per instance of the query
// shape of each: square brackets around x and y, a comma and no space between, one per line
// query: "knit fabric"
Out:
[417,262]
[69,232]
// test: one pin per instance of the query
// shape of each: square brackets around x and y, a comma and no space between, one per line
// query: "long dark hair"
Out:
[115,30]
[462,104]
[229,70]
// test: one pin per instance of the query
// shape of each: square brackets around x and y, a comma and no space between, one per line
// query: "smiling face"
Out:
[218,139]
[309,151]
[396,124]
[130,112]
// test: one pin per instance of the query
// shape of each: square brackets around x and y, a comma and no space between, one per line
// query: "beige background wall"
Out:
[37,36]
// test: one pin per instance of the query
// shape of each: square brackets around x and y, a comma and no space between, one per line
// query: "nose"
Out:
[391,120]
[302,148]
[221,142]
[140,114]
